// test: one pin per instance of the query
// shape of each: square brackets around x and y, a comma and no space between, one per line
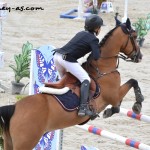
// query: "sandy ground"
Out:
[44,27]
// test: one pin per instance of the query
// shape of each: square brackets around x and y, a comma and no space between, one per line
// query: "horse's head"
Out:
[130,46]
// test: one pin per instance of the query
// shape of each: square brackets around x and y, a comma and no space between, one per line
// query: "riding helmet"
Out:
[93,22]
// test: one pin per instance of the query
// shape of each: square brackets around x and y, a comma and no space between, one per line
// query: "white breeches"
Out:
[74,68]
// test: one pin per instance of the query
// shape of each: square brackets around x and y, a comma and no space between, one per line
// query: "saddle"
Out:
[73,84]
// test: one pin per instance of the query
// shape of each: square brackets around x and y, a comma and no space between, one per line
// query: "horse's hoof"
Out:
[107,113]
[137,107]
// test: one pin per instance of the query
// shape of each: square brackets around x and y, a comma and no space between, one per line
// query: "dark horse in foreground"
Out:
[25,122]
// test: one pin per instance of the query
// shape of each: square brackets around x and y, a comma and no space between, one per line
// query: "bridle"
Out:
[132,56]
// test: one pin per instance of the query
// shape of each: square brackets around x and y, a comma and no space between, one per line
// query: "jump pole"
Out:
[125,12]
[80,10]
[133,115]
[114,137]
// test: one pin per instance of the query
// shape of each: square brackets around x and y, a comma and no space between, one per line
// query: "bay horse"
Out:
[27,120]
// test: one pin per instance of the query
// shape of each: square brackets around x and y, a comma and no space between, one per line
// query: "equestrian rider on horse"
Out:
[65,58]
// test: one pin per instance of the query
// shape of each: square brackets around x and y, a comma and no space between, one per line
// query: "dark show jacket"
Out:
[81,44]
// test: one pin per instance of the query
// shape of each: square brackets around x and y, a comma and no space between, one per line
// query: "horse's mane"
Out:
[101,44]
[106,37]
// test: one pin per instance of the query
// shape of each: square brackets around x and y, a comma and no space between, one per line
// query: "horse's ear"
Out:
[128,24]
[118,22]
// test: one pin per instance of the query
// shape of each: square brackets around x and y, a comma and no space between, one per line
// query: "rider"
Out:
[65,58]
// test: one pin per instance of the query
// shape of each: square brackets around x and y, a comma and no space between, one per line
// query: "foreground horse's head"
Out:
[121,39]
[130,48]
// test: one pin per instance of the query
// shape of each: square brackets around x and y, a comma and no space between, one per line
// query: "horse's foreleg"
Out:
[110,111]
[123,91]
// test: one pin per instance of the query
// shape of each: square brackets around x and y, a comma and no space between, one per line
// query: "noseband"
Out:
[132,56]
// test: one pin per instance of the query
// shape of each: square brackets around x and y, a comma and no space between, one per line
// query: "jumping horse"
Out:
[27,120]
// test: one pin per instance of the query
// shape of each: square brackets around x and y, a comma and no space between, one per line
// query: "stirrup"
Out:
[84,110]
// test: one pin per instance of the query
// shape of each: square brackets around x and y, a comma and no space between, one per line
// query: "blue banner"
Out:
[43,70]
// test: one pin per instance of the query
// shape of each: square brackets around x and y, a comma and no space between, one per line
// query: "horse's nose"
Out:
[140,55]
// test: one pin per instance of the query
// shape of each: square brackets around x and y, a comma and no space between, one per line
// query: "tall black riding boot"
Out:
[84,109]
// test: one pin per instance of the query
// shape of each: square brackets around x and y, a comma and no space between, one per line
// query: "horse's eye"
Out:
[135,37]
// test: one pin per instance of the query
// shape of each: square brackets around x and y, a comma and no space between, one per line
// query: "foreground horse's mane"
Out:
[106,37]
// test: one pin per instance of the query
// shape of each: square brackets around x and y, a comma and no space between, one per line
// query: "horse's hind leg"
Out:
[7,142]
[25,141]
[123,91]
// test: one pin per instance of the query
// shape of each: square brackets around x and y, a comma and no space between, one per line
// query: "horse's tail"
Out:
[6,113]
